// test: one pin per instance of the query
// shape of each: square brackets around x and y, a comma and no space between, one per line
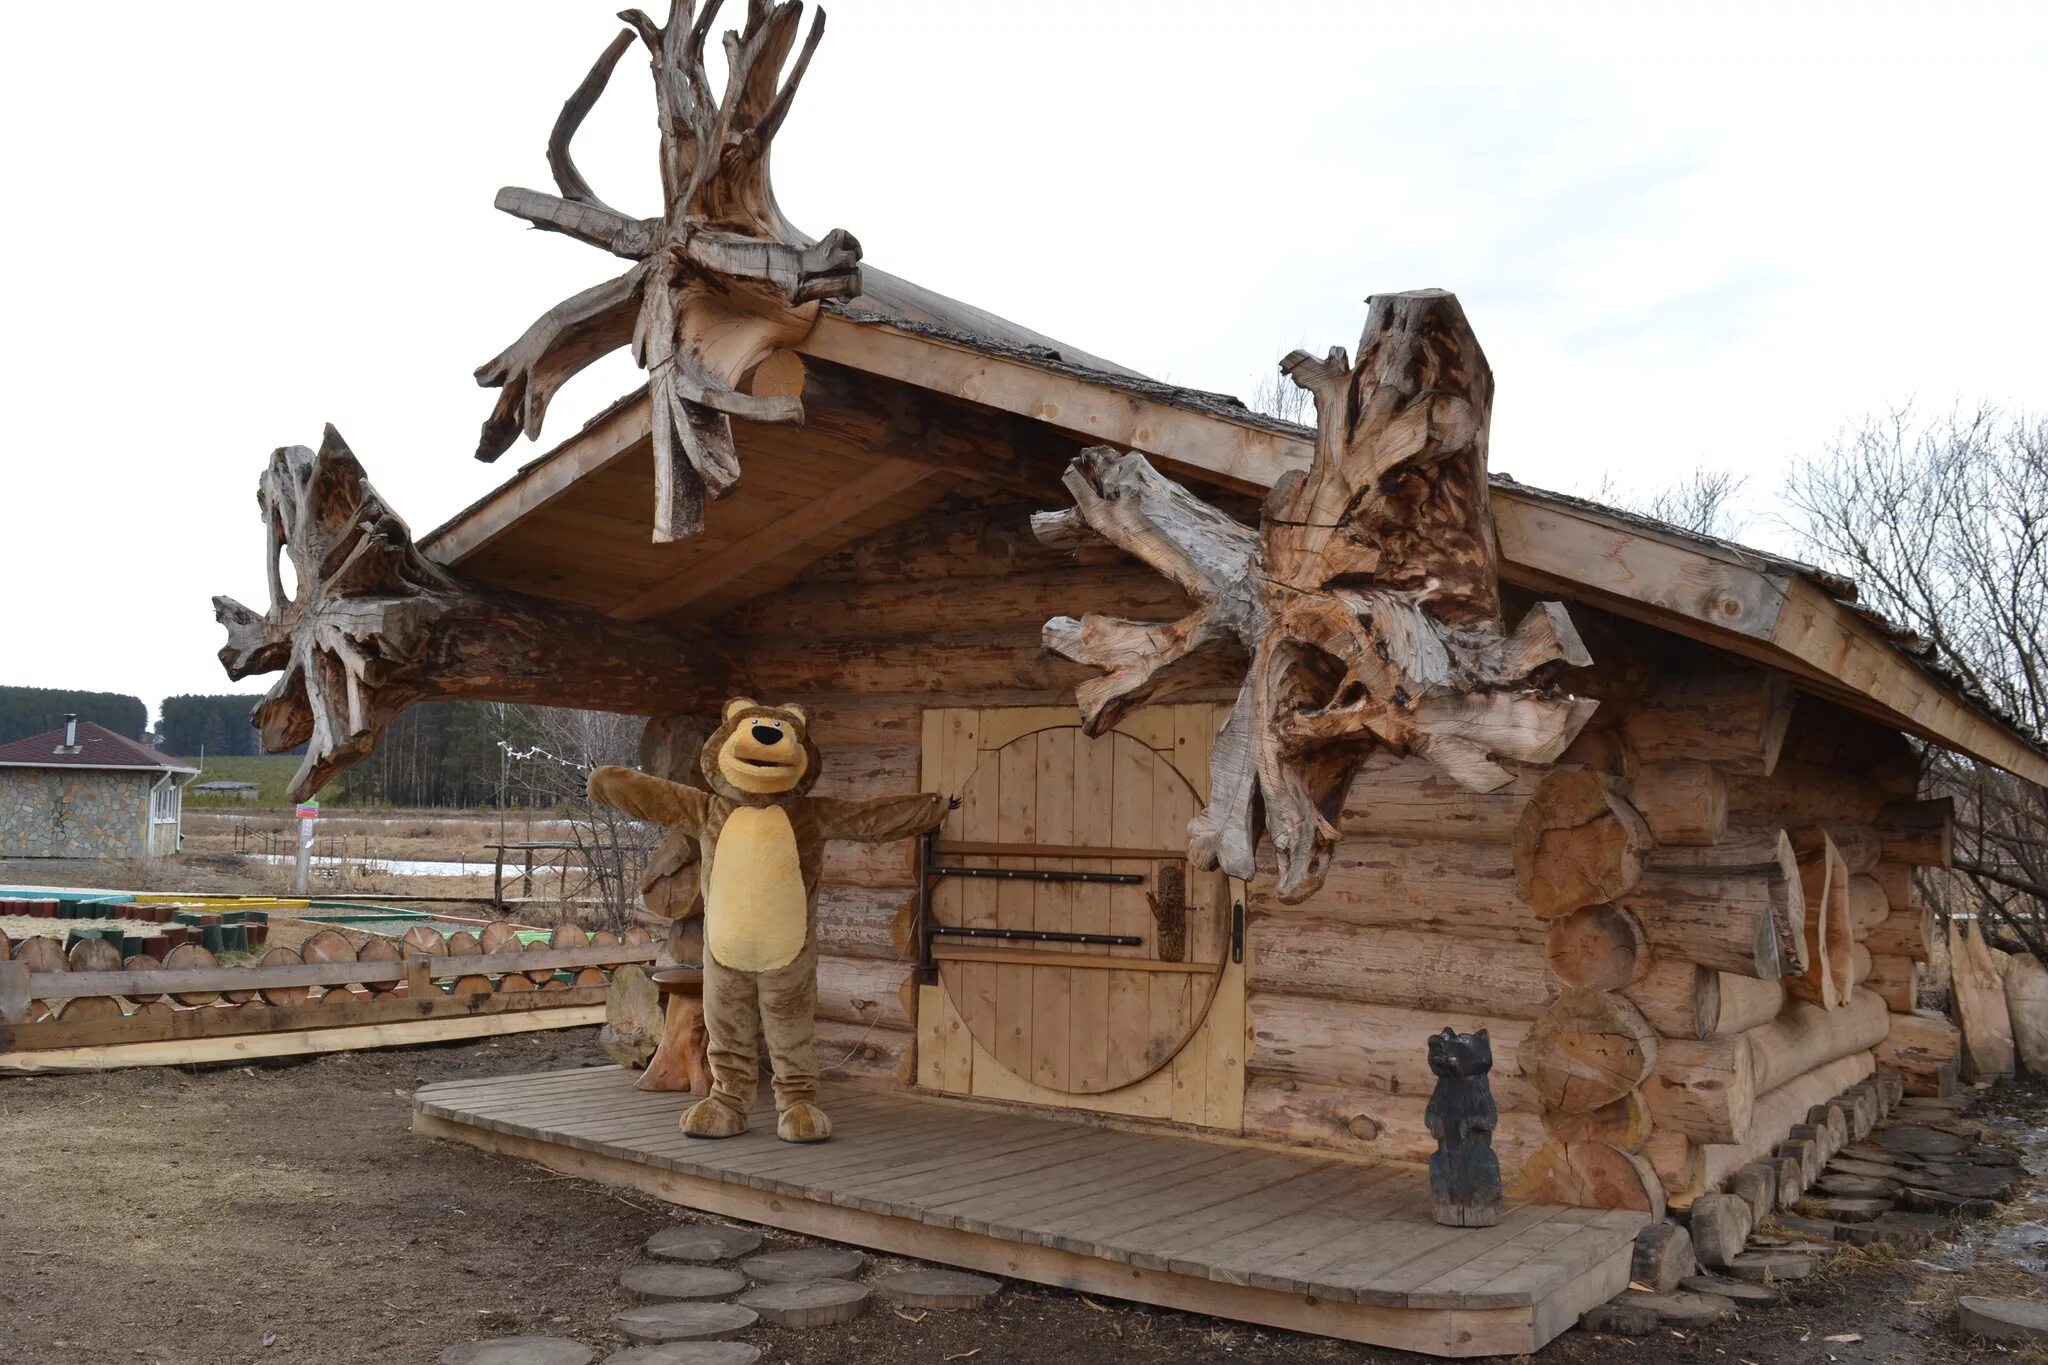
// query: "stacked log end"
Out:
[1784,951]
[1579,848]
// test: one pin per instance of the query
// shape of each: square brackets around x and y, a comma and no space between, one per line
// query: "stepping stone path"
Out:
[803,1265]
[1901,1185]
[1681,1310]
[2003,1319]
[1856,1186]
[519,1351]
[938,1289]
[1738,1292]
[812,1303]
[1916,1140]
[1846,1210]
[688,1353]
[663,1283]
[661,1322]
[1770,1267]
[702,1243]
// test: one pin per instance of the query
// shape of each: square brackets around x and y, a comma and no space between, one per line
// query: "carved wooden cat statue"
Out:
[1464,1175]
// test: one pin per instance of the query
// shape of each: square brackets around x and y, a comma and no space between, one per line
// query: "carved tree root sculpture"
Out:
[720,280]
[376,626]
[1367,598]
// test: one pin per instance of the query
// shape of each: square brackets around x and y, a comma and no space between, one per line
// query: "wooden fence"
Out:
[86,1012]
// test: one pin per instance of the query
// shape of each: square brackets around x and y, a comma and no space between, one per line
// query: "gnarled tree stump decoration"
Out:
[375,626]
[719,281]
[1367,598]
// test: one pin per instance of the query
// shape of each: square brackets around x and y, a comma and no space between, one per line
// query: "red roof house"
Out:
[83,791]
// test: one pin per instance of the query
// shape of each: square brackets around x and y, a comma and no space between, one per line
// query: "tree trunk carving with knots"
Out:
[719,281]
[374,626]
[1367,599]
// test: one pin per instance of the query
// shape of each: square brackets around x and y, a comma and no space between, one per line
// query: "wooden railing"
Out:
[55,1018]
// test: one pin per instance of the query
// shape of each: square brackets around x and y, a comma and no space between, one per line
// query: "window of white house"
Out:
[164,800]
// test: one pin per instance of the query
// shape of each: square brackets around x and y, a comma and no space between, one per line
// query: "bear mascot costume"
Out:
[763,845]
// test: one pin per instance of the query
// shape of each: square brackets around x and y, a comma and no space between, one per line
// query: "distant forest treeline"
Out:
[434,754]
[26,711]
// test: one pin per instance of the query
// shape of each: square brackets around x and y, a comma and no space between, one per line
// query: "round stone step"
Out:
[661,1322]
[1741,1293]
[1876,1170]
[688,1353]
[1856,1186]
[938,1289]
[1845,1210]
[1770,1267]
[519,1351]
[702,1242]
[1919,1141]
[1680,1310]
[803,1265]
[811,1303]
[1919,1200]
[1906,1231]
[2003,1319]
[664,1283]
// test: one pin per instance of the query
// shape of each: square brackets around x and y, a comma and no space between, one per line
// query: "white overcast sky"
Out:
[1685,234]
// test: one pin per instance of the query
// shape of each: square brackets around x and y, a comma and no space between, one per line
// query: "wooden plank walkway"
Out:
[1279,1238]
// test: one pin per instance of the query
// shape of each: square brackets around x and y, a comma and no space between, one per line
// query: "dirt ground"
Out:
[284,1212]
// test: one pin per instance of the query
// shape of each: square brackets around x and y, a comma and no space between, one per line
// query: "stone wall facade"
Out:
[76,813]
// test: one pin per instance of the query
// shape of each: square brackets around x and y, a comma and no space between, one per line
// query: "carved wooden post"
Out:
[719,281]
[1367,598]
[1464,1174]
[375,626]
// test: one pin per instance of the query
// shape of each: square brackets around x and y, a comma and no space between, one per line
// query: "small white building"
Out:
[85,792]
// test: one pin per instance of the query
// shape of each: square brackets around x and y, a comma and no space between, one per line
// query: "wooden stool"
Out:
[680,1063]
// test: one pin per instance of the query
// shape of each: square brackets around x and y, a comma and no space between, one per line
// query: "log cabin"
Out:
[1258,789]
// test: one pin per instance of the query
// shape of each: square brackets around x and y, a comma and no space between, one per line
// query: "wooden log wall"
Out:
[1638,947]
[1711,921]
[943,611]
[90,1008]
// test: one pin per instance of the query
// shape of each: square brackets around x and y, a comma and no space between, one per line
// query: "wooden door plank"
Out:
[976,896]
[1053,910]
[1017,823]
[1130,824]
[1088,996]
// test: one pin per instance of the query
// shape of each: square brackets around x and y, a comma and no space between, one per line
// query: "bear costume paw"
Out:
[803,1122]
[708,1118]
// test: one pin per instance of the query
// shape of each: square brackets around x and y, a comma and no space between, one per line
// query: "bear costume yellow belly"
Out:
[755,911]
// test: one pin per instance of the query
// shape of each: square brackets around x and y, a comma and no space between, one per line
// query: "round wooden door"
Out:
[1082,1015]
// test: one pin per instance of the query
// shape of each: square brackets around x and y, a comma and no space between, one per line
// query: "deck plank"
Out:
[1285,1238]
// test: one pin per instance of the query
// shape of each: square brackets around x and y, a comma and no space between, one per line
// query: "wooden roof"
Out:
[909,396]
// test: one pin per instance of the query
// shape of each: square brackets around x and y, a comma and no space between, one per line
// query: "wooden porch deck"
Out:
[1282,1239]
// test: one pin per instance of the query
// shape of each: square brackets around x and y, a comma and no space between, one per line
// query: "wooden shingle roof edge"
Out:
[1765,608]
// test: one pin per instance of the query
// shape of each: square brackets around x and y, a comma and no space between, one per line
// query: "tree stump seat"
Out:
[681,1062]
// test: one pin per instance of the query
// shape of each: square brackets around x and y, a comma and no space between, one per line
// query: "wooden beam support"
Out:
[372,626]
[1549,546]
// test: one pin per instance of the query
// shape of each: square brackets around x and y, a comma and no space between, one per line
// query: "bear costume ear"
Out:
[802,718]
[737,705]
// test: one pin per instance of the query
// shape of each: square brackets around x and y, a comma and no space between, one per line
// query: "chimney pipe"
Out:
[71,729]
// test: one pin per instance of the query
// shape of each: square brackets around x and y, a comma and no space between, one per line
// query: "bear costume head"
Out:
[761,755]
